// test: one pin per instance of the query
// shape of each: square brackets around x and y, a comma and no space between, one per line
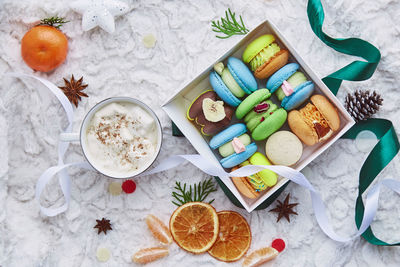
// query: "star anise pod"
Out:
[103,225]
[285,209]
[73,90]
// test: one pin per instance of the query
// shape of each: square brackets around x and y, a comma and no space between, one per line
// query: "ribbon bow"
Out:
[388,146]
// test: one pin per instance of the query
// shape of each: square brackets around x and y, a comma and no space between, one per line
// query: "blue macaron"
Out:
[276,80]
[226,136]
[300,95]
[302,89]
[222,90]
[236,159]
[242,76]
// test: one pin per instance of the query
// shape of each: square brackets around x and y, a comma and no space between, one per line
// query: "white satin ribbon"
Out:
[63,177]
[371,203]
[371,200]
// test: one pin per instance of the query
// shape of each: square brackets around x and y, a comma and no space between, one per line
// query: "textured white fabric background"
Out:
[119,64]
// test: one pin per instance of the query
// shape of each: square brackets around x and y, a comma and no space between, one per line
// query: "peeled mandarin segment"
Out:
[147,255]
[103,254]
[260,256]
[194,226]
[234,237]
[158,229]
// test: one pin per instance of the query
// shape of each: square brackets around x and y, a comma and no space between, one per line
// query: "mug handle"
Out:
[69,137]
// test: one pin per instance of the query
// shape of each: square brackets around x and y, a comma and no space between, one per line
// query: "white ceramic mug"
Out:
[69,137]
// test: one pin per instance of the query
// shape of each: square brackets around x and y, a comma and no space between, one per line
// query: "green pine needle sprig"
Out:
[229,25]
[198,193]
[55,22]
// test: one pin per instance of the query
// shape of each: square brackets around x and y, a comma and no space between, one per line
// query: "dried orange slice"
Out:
[158,229]
[147,255]
[194,226]
[260,256]
[234,237]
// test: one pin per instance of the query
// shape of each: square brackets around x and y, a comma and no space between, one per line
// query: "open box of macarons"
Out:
[259,104]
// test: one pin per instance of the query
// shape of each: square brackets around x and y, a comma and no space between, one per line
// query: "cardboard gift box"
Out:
[178,104]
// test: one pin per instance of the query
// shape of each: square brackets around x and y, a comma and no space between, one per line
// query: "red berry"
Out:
[129,186]
[278,244]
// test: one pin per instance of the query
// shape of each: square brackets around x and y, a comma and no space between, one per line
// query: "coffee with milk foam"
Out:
[121,139]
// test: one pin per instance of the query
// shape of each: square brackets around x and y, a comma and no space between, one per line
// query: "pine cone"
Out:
[362,104]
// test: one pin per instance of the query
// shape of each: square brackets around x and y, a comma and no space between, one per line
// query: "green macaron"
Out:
[269,177]
[259,51]
[249,102]
[256,46]
[270,125]
[253,119]
[261,116]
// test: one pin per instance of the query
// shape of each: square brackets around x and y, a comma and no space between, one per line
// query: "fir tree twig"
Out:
[198,193]
[229,25]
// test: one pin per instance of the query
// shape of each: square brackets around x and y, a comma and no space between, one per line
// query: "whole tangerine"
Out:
[44,48]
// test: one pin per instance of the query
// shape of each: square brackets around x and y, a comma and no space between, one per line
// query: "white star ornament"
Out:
[99,13]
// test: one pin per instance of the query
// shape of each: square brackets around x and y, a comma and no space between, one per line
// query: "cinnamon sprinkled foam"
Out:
[121,139]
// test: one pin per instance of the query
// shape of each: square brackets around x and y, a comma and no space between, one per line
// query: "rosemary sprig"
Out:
[229,25]
[199,192]
[55,22]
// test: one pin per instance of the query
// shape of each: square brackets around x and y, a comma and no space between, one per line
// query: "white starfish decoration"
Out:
[99,13]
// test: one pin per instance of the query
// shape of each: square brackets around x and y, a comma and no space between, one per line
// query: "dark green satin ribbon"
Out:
[388,146]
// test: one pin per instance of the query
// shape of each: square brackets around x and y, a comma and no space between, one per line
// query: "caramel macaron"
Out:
[315,122]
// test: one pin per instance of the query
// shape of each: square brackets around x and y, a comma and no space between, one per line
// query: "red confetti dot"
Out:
[278,244]
[129,186]
[262,119]
[270,113]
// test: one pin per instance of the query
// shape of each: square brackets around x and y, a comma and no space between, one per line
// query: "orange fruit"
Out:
[260,256]
[234,237]
[158,229]
[147,255]
[44,48]
[194,226]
